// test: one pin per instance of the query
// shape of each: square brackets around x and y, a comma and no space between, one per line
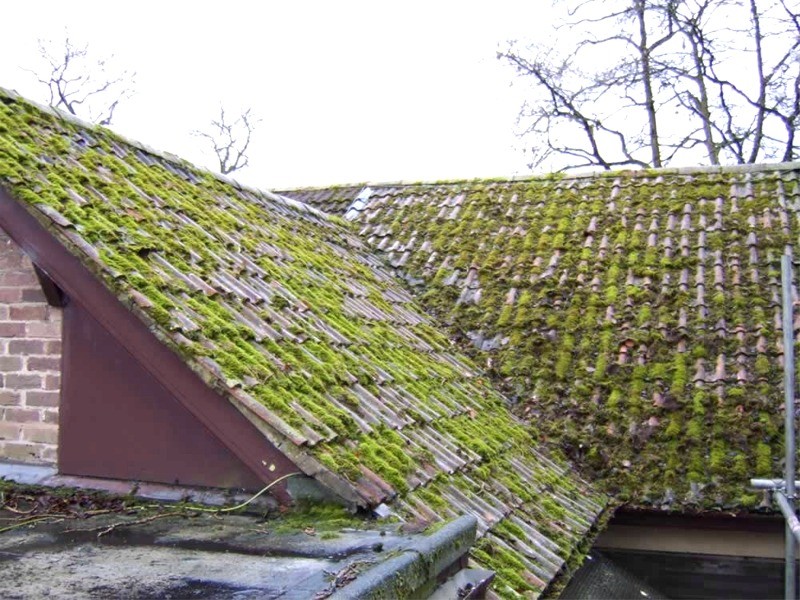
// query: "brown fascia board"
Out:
[219,416]
[711,520]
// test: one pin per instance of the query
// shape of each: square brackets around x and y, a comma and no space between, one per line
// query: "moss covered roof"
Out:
[285,312]
[633,316]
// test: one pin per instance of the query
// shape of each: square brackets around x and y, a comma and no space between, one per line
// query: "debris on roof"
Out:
[634,317]
[285,312]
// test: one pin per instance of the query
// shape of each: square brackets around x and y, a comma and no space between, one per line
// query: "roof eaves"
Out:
[306,462]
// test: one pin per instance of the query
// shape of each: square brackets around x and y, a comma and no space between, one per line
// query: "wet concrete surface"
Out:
[203,556]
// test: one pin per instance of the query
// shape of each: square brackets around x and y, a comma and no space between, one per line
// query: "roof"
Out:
[93,544]
[633,316]
[284,311]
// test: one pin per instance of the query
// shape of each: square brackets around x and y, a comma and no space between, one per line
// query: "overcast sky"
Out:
[347,91]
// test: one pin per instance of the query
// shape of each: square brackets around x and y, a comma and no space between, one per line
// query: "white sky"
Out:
[347,91]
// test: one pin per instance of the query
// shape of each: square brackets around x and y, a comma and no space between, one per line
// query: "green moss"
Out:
[511,530]
[679,376]
[559,345]
[764,463]
[674,429]
[763,366]
[318,517]
[509,580]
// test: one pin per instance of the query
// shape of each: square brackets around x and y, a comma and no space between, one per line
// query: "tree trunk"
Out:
[702,105]
[647,81]
[762,84]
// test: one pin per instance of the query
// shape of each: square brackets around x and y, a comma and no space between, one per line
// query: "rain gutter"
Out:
[417,570]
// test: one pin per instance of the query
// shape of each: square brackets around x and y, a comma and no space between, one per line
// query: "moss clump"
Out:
[321,518]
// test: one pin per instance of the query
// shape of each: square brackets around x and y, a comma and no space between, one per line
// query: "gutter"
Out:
[418,569]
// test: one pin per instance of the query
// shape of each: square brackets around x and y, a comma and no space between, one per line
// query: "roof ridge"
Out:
[558,175]
[164,155]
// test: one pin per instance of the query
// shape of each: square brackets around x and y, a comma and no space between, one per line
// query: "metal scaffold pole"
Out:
[783,490]
[790,591]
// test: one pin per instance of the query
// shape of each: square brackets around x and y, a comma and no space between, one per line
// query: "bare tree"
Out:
[83,86]
[747,113]
[231,139]
[695,80]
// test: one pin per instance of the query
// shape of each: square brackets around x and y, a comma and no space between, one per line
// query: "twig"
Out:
[29,521]
[94,513]
[18,512]
[137,522]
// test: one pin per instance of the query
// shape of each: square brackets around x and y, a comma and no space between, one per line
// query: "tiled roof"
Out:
[634,316]
[283,310]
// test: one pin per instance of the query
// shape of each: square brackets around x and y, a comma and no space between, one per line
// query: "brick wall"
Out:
[30,362]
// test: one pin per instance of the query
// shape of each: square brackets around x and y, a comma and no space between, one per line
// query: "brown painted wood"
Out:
[757,522]
[53,294]
[117,421]
[217,415]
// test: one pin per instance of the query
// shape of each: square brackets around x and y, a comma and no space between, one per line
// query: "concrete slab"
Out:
[26,474]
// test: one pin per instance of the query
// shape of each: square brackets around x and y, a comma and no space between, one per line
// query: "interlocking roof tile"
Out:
[283,310]
[633,316]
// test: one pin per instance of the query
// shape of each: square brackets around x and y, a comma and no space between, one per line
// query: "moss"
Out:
[509,580]
[511,530]
[764,463]
[680,375]
[281,287]
[762,365]
[318,517]
[674,428]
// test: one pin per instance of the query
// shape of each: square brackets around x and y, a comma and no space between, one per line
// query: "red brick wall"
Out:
[30,362]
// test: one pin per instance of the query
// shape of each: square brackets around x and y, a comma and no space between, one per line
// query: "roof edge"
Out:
[577,556]
[305,461]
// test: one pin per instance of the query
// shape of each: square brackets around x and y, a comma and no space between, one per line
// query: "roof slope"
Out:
[634,315]
[282,310]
